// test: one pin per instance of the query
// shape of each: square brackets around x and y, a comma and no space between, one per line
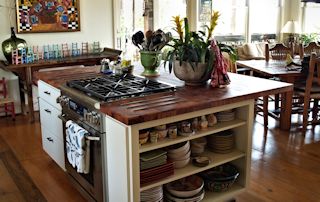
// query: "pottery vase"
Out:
[150,60]
[195,75]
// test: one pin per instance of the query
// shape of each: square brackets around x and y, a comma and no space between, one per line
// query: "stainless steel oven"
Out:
[89,185]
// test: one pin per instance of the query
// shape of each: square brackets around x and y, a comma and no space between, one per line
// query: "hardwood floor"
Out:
[285,166]
[25,141]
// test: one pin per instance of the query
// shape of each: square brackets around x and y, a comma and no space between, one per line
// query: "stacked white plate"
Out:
[152,195]
[179,154]
[227,115]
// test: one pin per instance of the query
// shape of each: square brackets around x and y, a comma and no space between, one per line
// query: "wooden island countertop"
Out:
[185,99]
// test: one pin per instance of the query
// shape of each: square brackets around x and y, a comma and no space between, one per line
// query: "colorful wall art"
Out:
[48,16]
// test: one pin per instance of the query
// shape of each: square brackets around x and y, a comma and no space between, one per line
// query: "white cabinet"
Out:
[123,151]
[51,125]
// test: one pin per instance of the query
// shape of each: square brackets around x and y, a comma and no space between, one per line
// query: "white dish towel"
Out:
[78,147]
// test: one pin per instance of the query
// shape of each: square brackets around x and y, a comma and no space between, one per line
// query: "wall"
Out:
[96,25]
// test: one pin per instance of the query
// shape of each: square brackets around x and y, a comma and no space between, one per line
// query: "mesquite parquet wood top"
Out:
[185,99]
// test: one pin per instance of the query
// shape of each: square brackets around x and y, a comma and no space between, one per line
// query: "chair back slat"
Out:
[278,51]
[310,48]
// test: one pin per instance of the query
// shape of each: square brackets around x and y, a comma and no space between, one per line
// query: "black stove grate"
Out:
[113,87]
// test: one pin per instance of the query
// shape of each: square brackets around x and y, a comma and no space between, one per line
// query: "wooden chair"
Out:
[310,90]
[277,52]
[308,49]
[5,102]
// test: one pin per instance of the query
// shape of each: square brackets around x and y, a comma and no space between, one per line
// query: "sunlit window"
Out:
[164,10]
[232,21]
[311,18]
[264,18]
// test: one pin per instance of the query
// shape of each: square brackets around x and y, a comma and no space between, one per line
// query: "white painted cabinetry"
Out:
[51,125]
[123,151]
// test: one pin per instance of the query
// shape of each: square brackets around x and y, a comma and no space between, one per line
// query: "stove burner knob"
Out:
[88,117]
[63,100]
[96,119]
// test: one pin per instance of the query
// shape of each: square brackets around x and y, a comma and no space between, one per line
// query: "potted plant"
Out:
[150,46]
[192,55]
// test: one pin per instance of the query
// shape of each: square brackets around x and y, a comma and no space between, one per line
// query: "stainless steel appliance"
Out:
[80,101]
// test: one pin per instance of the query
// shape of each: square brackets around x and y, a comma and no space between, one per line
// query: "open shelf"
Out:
[190,169]
[221,126]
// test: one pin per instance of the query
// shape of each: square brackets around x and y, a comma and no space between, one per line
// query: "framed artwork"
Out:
[48,16]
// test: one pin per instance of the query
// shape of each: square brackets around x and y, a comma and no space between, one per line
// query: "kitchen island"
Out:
[125,118]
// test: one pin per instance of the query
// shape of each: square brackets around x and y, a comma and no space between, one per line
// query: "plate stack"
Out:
[152,195]
[154,166]
[222,142]
[179,154]
[188,189]
[227,115]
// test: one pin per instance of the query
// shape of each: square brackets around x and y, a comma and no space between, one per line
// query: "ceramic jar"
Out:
[11,44]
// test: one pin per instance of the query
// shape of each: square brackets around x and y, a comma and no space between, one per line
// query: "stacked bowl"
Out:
[179,154]
[198,146]
[188,189]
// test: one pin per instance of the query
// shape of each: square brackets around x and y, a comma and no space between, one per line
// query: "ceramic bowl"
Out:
[143,140]
[179,156]
[185,187]
[143,134]
[199,142]
[162,134]
[181,163]
[181,148]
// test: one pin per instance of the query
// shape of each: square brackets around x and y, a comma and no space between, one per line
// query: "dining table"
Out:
[285,73]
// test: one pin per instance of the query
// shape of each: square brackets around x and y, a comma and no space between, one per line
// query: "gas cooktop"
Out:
[108,88]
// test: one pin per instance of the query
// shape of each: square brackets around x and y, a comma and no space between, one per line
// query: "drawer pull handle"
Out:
[49,139]
[48,111]
[47,92]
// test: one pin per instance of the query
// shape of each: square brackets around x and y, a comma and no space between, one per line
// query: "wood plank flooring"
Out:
[285,166]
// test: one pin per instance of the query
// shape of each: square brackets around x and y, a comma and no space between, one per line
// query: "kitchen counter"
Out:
[126,119]
[185,99]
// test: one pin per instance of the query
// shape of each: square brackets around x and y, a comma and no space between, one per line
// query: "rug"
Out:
[15,183]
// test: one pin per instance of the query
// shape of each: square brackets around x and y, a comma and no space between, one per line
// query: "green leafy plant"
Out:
[194,47]
[307,38]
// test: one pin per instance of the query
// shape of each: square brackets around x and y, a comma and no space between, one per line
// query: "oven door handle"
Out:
[93,138]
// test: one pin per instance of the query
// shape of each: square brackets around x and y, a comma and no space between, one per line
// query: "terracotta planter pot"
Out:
[192,77]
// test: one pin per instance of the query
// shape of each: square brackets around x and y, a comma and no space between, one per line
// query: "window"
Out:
[311,18]
[264,23]
[232,23]
[164,10]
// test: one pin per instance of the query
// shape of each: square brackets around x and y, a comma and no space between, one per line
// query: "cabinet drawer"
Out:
[49,93]
[49,118]
[53,146]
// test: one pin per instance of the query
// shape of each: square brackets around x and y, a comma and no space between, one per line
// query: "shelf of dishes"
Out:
[174,133]
[215,159]
[213,184]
